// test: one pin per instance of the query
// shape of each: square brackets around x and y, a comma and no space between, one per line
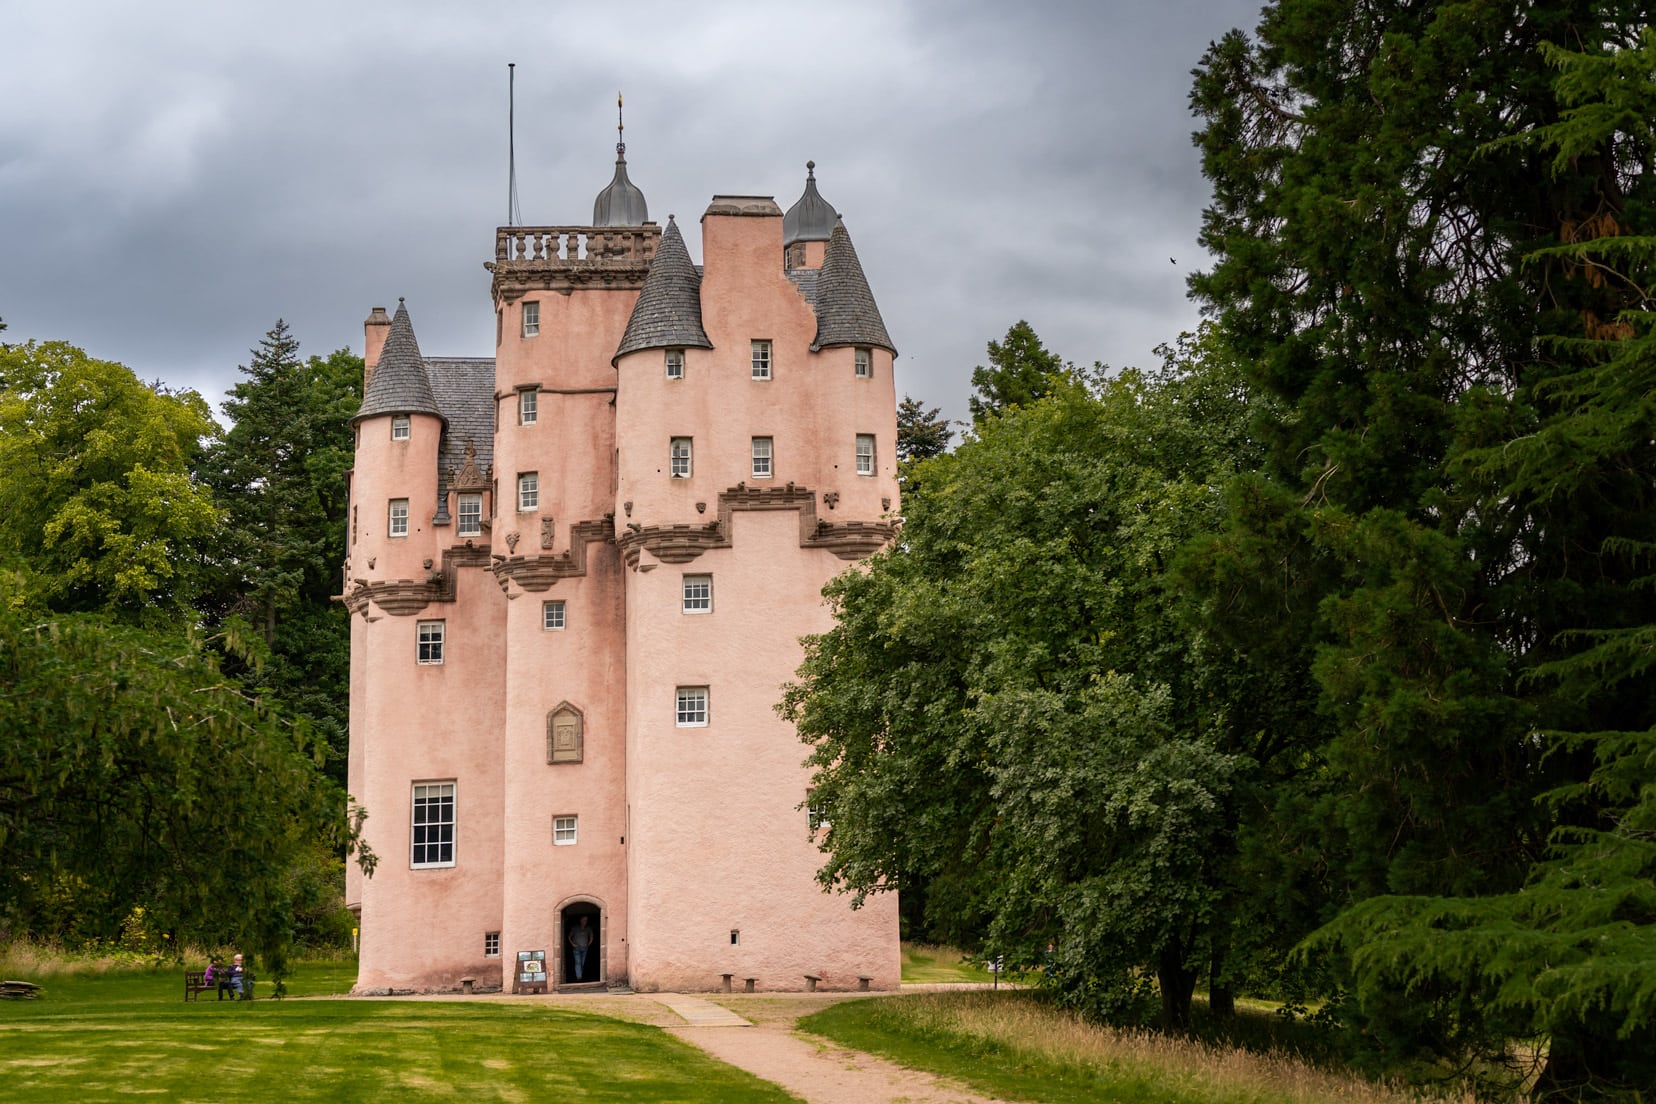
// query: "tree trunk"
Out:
[1178,983]
[1221,998]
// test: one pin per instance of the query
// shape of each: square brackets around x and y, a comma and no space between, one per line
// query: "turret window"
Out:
[761,360]
[531,319]
[865,454]
[397,523]
[552,615]
[692,707]
[429,650]
[528,491]
[528,407]
[678,459]
[675,363]
[761,458]
[865,363]
[399,427]
[433,828]
[698,594]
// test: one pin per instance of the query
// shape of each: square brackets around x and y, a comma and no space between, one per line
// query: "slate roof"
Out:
[400,384]
[668,312]
[810,218]
[845,310]
[464,387]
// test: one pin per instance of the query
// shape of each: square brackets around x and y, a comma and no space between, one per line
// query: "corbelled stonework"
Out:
[676,544]
[565,258]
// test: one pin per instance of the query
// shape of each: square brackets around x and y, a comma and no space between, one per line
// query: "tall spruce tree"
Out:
[279,473]
[1439,540]
[1020,371]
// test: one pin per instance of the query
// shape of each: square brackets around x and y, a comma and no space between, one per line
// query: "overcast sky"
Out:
[176,176]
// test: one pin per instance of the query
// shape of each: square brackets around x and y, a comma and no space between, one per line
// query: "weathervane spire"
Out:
[620,130]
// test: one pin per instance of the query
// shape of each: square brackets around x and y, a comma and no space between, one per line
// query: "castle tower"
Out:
[567,651]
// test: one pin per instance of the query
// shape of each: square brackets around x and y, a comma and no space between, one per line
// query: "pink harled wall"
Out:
[414,723]
[571,445]
[719,840]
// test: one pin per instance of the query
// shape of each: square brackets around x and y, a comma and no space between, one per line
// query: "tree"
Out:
[1020,371]
[1378,186]
[279,475]
[921,435]
[1006,714]
[96,498]
[135,775]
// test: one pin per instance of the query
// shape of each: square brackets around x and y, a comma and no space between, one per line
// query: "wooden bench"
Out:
[195,984]
[19,990]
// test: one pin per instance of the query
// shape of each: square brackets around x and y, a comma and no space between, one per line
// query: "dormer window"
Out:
[675,364]
[471,515]
[531,319]
[399,427]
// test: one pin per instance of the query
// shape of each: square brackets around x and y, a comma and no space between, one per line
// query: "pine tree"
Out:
[279,474]
[1020,371]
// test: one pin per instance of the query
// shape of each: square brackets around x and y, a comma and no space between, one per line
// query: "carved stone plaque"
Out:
[564,734]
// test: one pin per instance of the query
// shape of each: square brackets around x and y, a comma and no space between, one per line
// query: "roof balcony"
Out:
[566,258]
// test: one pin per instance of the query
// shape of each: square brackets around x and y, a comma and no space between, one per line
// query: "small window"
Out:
[528,405]
[865,454]
[552,615]
[815,815]
[491,944]
[528,491]
[471,515]
[761,458]
[865,363]
[675,363]
[531,319]
[761,360]
[679,458]
[399,427]
[397,523]
[431,642]
[698,594]
[433,825]
[564,830]
[692,707]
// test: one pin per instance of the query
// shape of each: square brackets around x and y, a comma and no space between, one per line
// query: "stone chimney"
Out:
[373,333]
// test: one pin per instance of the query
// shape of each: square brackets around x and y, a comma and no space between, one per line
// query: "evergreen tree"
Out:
[1020,371]
[921,435]
[279,473]
[1388,229]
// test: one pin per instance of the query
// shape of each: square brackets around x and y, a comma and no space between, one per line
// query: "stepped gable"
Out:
[464,388]
[845,310]
[811,218]
[668,312]
[400,384]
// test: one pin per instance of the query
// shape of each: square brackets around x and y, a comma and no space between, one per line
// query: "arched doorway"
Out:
[578,922]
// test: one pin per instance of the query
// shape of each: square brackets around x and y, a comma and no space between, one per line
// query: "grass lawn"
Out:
[924,964]
[1011,1045]
[120,1035]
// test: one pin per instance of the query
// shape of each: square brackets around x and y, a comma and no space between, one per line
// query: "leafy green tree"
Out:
[135,775]
[96,498]
[1005,714]
[1020,371]
[279,475]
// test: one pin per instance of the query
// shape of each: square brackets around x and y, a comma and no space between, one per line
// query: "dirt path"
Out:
[813,1068]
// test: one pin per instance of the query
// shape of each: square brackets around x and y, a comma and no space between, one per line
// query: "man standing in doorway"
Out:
[580,938]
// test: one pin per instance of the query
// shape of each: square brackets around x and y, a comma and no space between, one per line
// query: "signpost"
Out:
[531,972]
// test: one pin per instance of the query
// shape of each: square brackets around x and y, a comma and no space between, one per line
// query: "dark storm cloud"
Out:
[176,176]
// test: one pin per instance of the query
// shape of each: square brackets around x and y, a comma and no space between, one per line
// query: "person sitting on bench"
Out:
[230,979]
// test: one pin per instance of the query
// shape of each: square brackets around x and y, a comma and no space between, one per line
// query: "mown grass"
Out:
[1011,1044]
[113,1035]
[926,964]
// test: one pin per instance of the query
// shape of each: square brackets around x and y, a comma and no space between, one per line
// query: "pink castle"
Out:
[579,573]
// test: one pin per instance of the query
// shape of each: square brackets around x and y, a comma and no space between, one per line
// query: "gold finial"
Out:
[620,128]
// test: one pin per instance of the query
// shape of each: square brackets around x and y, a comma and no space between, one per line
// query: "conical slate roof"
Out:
[810,218]
[621,203]
[668,312]
[399,384]
[845,310]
